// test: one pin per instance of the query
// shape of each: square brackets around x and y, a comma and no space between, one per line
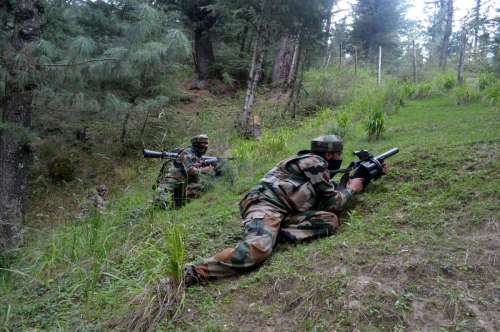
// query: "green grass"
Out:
[418,250]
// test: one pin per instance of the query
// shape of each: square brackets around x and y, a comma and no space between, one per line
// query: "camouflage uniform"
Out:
[295,200]
[178,180]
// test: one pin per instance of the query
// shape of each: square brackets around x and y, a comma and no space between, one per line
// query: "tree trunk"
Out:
[477,12]
[243,40]
[447,34]
[295,61]
[283,61]
[15,153]
[328,27]
[355,60]
[296,86]
[460,70]
[123,136]
[414,63]
[204,53]
[379,67]
[340,54]
[247,120]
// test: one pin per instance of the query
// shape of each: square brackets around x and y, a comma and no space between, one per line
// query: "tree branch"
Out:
[76,64]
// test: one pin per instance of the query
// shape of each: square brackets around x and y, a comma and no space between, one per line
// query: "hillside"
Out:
[418,250]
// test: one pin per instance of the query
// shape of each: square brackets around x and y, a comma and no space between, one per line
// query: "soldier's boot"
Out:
[261,231]
[309,225]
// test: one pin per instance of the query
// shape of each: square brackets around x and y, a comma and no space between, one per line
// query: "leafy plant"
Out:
[492,93]
[408,89]
[486,80]
[176,253]
[423,90]
[466,94]
[343,122]
[375,124]
[445,81]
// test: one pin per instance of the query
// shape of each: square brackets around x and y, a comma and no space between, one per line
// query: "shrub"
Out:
[466,94]
[486,80]
[445,81]
[423,90]
[343,123]
[408,89]
[393,95]
[375,124]
[492,93]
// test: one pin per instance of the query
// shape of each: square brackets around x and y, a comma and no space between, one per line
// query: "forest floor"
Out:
[418,251]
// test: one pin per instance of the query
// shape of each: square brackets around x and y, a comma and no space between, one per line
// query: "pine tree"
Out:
[17,109]
[377,23]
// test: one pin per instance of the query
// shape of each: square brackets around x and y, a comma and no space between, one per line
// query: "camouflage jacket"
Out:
[298,184]
[183,168]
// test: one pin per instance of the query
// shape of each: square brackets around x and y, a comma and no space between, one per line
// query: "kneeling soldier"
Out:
[295,200]
[179,180]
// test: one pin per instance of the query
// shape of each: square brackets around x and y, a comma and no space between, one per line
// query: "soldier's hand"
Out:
[356,185]
[206,169]
[385,169]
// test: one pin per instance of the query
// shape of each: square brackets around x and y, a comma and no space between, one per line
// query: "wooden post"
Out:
[379,69]
[355,60]
[414,63]
[460,70]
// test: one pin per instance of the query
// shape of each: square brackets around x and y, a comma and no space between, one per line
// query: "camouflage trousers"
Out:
[264,222]
[175,194]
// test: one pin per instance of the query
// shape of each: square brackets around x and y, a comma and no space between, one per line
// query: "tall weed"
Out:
[375,123]
[466,94]
[486,80]
[492,93]
[445,81]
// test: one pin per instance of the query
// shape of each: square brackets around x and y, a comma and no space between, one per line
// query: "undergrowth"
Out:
[83,274]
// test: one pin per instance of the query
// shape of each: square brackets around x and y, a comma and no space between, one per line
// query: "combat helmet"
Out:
[201,138]
[327,143]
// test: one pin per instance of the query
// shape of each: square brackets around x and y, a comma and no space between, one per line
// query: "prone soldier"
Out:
[294,201]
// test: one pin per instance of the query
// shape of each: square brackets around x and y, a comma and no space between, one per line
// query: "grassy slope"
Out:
[418,250]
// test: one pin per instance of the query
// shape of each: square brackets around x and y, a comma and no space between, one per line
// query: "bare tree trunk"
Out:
[477,12]
[246,119]
[328,27]
[379,67]
[414,62]
[460,71]
[446,37]
[243,40]
[340,54]
[295,83]
[123,136]
[15,153]
[295,62]
[204,53]
[283,61]
[355,60]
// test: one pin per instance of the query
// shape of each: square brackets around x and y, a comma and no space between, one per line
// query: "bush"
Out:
[423,90]
[343,122]
[375,124]
[466,94]
[333,87]
[492,93]
[394,96]
[446,81]
[486,80]
[408,89]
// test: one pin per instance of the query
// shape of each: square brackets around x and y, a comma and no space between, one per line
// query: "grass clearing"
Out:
[417,251]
